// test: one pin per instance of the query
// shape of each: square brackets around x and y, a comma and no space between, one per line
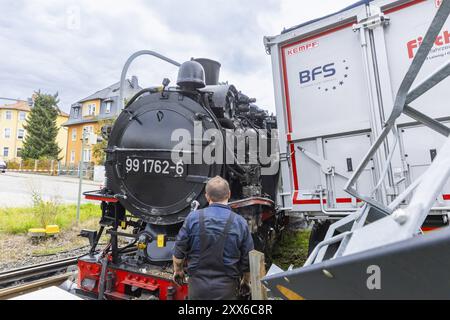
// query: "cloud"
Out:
[79,47]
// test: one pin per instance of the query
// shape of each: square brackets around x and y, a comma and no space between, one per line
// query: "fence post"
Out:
[35,165]
[257,272]
[51,167]
[20,165]
[58,167]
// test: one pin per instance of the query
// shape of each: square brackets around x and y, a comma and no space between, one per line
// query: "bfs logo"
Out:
[325,71]
[326,77]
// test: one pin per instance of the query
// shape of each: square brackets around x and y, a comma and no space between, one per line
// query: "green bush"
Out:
[13,164]
[44,211]
[292,249]
[46,164]
[28,164]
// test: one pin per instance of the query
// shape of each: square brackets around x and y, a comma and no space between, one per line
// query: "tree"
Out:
[40,141]
[98,150]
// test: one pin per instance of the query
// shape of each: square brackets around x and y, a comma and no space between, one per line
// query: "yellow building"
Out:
[88,114]
[12,132]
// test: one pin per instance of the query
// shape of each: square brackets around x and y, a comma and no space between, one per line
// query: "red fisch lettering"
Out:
[441,40]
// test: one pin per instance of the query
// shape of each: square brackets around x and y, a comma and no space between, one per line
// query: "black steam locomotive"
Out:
[156,174]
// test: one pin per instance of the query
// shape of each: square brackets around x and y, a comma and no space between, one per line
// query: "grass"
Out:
[50,251]
[292,249]
[19,220]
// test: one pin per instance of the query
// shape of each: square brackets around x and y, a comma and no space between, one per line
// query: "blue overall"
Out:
[216,242]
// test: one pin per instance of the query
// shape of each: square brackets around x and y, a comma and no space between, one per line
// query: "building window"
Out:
[76,112]
[20,134]
[7,133]
[90,109]
[22,116]
[72,156]
[108,107]
[19,153]
[5,151]
[8,115]
[88,129]
[87,155]
[74,134]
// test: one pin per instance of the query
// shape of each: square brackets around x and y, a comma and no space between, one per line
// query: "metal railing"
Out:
[50,167]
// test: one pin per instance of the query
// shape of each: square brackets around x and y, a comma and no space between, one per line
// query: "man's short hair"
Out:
[218,189]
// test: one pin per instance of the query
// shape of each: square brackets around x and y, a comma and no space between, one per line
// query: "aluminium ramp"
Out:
[416,268]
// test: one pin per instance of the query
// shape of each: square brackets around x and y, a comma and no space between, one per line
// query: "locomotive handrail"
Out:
[146,150]
[131,59]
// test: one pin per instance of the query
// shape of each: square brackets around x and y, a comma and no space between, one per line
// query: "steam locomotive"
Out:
[152,183]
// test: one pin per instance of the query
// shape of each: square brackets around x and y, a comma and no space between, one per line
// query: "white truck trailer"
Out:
[335,81]
[397,100]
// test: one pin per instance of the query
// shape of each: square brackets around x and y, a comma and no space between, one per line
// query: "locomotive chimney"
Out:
[212,70]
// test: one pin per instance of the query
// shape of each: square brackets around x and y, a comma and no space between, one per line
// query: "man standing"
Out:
[215,242]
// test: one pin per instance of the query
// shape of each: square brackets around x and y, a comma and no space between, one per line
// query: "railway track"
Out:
[18,290]
[27,274]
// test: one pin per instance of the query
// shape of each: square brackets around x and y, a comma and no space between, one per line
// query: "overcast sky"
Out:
[79,47]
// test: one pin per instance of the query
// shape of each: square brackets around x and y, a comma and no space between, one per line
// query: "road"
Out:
[16,189]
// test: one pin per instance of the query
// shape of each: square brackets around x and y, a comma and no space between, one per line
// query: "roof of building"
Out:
[71,122]
[19,105]
[110,91]
[63,114]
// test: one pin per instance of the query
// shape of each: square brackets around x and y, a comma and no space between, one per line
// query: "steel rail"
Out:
[22,274]
[19,290]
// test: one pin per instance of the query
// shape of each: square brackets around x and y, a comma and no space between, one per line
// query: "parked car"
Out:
[3,166]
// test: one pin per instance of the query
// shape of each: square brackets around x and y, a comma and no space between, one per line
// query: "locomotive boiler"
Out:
[162,149]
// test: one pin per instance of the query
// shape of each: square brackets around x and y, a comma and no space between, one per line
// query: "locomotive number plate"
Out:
[155,167]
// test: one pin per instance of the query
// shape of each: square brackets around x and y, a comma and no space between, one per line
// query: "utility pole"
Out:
[80,172]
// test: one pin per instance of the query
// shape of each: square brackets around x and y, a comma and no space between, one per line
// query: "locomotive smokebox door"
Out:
[140,165]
